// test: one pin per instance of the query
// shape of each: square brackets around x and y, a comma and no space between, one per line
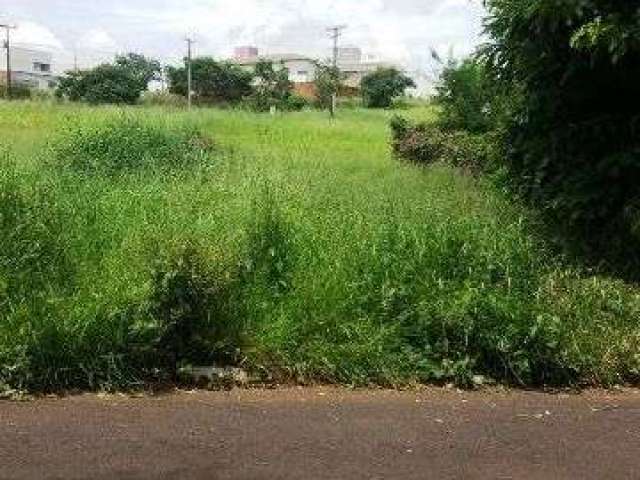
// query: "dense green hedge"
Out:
[572,141]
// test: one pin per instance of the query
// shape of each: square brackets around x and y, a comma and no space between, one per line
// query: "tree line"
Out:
[262,88]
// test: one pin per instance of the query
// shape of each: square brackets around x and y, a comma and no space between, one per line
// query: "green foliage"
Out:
[120,83]
[126,143]
[141,68]
[426,143]
[199,319]
[273,89]
[296,103]
[213,82]
[302,253]
[328,83]
[270,253]
[102,84]
[467,97]
[31,258]
[18,91]
[614,34]
[573,140]
[163,99]
[382,87]
[578,312]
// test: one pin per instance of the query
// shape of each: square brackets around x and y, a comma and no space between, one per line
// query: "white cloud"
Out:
[377,25]
[35,34]
[98,39]
[400,30]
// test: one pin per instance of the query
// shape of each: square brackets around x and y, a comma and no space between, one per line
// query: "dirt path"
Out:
[324,433]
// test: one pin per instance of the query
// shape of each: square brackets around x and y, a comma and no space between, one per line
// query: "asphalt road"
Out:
[324,433]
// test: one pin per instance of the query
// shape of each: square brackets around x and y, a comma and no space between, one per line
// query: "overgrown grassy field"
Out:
[136,242]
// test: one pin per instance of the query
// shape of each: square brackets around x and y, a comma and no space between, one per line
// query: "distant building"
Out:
[245,53]
[31,68]
[354,69]
[302,69]
[349,55]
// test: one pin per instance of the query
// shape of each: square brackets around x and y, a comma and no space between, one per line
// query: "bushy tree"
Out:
[212,81]
[382,87]
[467,97]
[102,84]
[328,83]
[272,88]
[142,68]
[121,82]
[573,141]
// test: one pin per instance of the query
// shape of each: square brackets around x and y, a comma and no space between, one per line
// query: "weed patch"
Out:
[308,255]
[195,300]
[125,143]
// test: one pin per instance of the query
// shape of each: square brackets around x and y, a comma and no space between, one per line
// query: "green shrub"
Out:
[119,83]
[18,91]
[580,312]
[424,143]
[572,144]
[472,153]
[126,143]
[296,103]
[380,88]
[427,143]
[273,89]
[468,97]
[213,82]
[196,301]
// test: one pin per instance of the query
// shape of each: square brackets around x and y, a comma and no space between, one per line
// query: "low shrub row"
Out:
[426,143]
[18,92]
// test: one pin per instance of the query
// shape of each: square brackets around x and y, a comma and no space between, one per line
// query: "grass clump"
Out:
[195,300]
[126,142]
[593,323]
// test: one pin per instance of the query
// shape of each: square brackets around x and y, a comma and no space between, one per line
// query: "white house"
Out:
[351,64]
[33,68]
[302,69]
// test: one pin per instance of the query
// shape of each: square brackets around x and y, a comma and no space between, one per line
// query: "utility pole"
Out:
[7,45]
[190,42]
[335,33]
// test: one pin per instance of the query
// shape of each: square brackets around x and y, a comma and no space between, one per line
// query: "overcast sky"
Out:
[396,30]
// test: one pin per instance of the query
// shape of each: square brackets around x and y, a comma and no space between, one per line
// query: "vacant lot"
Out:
[137,242]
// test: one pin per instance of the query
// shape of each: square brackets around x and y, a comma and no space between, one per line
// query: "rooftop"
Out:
[276,58]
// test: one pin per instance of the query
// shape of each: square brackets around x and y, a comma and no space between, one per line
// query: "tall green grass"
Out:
[295,247]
